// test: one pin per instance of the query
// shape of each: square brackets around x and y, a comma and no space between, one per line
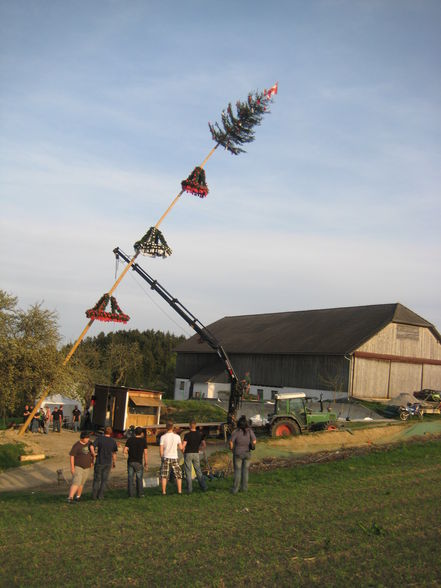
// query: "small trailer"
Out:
[121,408]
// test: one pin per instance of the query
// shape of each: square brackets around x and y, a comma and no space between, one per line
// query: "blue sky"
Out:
[104,110]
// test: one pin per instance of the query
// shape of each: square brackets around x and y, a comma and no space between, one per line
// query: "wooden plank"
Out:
[35,457]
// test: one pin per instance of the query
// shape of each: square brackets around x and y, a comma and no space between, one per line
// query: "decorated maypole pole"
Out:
[235,130]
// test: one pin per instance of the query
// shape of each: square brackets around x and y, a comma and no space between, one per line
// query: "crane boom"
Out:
[199,328]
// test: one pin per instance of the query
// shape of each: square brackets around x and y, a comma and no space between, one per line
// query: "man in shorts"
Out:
[168,450]
[81,461]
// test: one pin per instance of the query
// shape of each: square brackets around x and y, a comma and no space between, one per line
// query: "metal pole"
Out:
[112,289]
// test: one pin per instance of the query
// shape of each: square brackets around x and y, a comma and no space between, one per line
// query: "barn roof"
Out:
[331,331]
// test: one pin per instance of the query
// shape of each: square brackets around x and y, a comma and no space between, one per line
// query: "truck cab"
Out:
[291,416]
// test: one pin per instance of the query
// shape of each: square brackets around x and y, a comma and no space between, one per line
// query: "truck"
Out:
[290,417]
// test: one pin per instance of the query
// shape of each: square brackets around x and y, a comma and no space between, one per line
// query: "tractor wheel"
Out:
[285,428]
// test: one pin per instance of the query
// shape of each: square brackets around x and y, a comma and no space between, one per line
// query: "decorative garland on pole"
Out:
[98,312]
[153,243]
[196,183]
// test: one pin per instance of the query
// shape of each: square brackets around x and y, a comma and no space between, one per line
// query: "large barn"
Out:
[374,352]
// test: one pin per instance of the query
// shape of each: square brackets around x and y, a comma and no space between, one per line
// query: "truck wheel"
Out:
[285,428]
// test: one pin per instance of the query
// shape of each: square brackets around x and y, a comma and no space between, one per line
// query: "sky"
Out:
[104,110]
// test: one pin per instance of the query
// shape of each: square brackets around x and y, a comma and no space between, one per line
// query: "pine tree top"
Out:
[238,128]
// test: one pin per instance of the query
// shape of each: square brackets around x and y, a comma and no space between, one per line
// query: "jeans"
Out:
[76,426]
[100,477]
[135,468]
[57,426]
[189,460]
[241,467]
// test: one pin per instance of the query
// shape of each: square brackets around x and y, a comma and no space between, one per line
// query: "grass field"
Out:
[371,520]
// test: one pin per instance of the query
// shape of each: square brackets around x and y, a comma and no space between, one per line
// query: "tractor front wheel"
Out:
[285,428]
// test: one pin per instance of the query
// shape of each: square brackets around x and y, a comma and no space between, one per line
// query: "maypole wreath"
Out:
[153,243]
[196,183]
[98,312]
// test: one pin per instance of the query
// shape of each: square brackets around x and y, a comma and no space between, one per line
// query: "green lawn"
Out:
[182,411]
[371,520]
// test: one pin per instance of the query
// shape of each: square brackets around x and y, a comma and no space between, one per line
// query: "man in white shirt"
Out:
[168,450]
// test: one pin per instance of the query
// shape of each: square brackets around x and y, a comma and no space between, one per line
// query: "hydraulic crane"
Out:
[200,329]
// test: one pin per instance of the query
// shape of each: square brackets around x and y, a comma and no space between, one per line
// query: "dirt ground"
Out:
[53,473]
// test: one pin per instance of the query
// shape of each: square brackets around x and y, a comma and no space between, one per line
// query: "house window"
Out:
[182,385]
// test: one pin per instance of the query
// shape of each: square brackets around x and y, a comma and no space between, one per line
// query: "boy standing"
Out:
[168,450]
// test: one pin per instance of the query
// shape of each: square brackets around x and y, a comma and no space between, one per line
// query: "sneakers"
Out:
[70,501]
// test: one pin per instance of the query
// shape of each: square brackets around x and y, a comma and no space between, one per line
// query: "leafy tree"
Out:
[29,358]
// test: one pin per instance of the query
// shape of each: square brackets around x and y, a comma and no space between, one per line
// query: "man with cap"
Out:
[81,462]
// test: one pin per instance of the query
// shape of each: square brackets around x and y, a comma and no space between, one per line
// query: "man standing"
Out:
[168,450]
[81,462]
[26,413]
[47,420]
[55,420]
[76,414]
[60,418]
[193,442]
[106,448]
[136,450]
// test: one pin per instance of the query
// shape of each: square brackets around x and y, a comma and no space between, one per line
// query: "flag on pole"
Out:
[271,91]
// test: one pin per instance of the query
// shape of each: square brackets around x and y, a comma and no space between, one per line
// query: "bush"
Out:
[10,455]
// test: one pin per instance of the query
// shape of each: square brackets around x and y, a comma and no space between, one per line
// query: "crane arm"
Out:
[199,328]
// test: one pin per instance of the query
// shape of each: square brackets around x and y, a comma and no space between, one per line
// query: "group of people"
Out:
[44,417]
[101,455]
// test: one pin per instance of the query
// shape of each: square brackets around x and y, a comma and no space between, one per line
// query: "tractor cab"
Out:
[291,415]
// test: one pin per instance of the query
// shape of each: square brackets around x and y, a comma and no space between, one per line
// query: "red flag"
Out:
[271,91]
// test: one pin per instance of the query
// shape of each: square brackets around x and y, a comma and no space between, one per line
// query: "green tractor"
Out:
[291,416]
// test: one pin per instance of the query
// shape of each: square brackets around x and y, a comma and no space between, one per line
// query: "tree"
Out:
[29,358]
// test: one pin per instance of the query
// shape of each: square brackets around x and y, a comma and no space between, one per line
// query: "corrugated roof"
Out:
[332,331]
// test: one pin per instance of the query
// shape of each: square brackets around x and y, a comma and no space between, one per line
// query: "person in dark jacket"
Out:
[241,442]
[105,449]
[136,451]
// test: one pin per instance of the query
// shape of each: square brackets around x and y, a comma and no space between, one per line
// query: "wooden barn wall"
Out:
[302,371]
[189,364]
[371,378]
[404,340]
[376,378]
[404,377]
[431,377]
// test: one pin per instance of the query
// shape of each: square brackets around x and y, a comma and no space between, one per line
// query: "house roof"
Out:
[331,331]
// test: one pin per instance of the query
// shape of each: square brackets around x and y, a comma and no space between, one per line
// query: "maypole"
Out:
[236,130]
